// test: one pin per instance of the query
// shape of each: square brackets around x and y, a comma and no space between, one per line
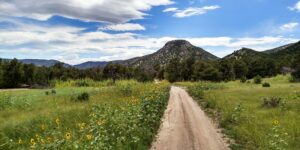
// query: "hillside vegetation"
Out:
[256,117]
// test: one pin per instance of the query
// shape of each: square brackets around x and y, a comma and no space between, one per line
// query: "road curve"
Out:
[186,127]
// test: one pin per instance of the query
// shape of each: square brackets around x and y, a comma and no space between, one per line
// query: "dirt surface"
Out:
[186,127]
[20,89]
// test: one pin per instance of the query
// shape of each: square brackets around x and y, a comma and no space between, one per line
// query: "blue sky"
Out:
[75,31]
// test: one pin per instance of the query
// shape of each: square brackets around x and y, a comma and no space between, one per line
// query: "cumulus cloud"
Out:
[289,26]
[173,9]
[114,11]
[191,11]
[296,7]
[124,27]
[72,45]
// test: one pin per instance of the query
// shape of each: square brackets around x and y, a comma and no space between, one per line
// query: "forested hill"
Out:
[282,55]
[40,62]
[180,49]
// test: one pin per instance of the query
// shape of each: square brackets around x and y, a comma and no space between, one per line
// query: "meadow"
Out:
[82,114]
[253,116]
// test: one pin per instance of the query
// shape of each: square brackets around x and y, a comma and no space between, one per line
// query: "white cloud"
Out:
[191,11]
[124,27]
[115,11]
[70,45]
[289,26]
[173,9]
[296,7]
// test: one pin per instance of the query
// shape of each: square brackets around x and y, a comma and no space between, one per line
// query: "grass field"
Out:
[123,116]
[241,113]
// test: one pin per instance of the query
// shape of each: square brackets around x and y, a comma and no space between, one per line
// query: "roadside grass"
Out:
[122,116]
[243,118]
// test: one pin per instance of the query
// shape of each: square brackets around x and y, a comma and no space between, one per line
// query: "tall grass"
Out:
[81,83]
[124,116]
[242,116]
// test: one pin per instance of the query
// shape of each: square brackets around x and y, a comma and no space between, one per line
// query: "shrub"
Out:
[125,89]
[82,83]
[243,80]
[237,113]
[83,97]
[272,102]
[266,84]
[257,79]
[53,91]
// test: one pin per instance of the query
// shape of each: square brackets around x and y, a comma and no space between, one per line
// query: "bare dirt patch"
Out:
[186,127]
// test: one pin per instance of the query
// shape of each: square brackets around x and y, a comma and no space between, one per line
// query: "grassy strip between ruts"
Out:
[124,116]
[241,112]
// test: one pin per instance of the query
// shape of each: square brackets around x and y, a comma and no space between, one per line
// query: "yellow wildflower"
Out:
[275,122]
[57,121]
[37,137]
[43,127]
[32,142]
[89,137]
[20,141]
[100,122]
[81,126]
[68,135]
[42,141]
[49,139]
[93,115]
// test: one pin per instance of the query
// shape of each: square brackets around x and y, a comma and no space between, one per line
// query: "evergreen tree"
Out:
[296,67]
[227,69]
[172,73]
[29,71]
[12,75]
[240,69]
[186,68]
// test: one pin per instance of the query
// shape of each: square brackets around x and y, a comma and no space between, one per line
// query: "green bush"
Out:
[82,83]
[53,91]
[257,79]
[83,97]
[126,88]
[272,102]
[266,84]
[243,80]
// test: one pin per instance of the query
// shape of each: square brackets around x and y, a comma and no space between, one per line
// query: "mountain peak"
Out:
[178,43]
[245,50]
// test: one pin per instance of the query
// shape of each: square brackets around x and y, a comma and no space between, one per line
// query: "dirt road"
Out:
[186,127]
[5,90]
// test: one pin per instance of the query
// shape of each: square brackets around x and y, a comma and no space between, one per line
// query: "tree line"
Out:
[227,69]
[14,74]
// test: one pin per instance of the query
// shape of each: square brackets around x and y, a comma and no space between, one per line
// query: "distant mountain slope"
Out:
[40,62]
[278,49]
[174,49]
[91,64]
[246,53]
[285,54]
